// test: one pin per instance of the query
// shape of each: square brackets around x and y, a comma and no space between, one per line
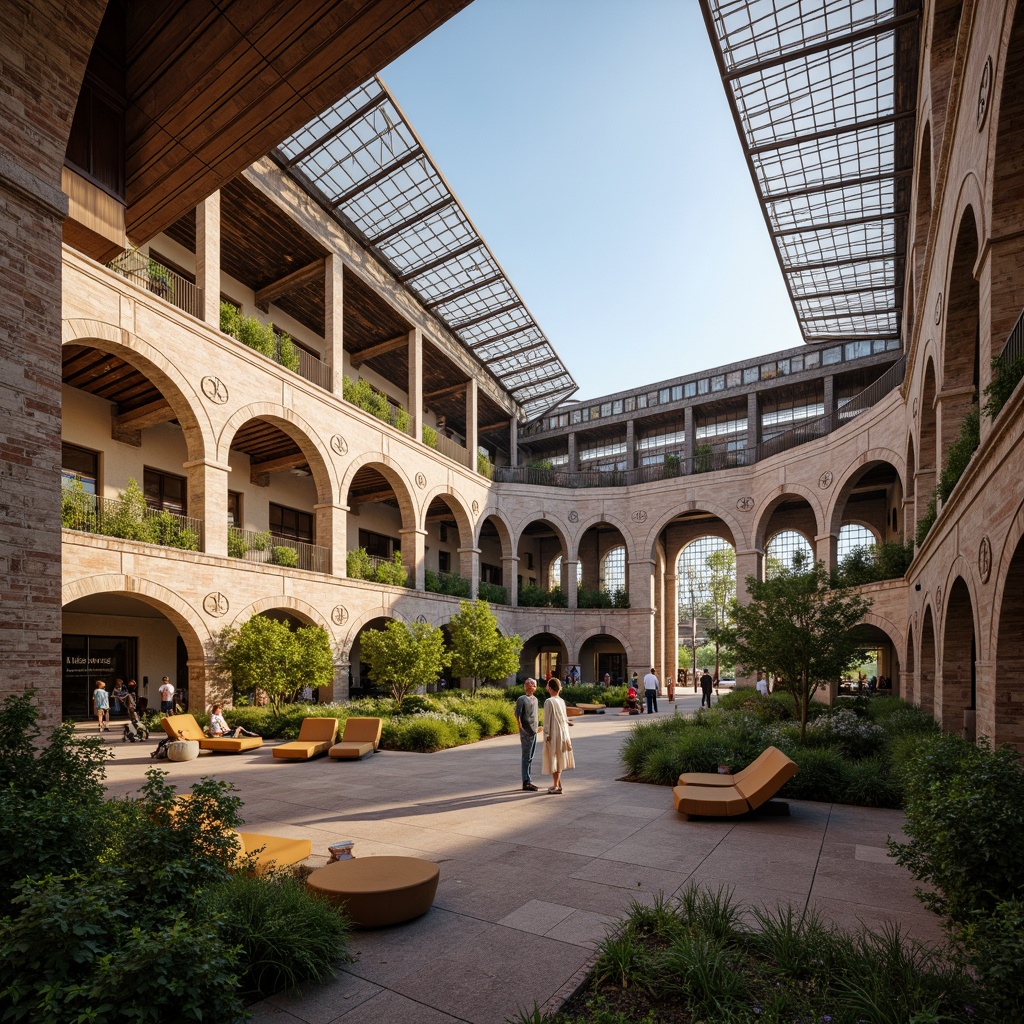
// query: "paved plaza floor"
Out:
[531,881]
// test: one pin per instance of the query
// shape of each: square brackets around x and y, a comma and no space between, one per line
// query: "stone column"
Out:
[753,427]
[951,406]
[630,444]
[510,578]
[469,568]
[826,549]
[208,258]
[416,386]
[513,442]
[334,320]
[829,401]
[671,602]
[471,423]
[208,501]
[569,583]
[924,484]
[332,533]
[414,544]
[572,465]
[688,441]
[338,689]
[748,563]
[204,686]
[640,583]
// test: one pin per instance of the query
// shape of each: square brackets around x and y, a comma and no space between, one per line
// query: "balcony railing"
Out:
[129,520]
[1014,347]
[269,549]
[316,371]
[160,280]
[453,450]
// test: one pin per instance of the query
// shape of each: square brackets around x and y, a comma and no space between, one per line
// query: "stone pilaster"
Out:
[208,500]
[414,543]
[208,258]
[334,320]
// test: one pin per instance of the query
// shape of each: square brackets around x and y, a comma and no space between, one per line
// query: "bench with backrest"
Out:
[360,738]
[316,736]
[185,727]
[767,757]
[757,786]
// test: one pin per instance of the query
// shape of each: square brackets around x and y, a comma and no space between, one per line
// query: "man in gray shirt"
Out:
[526,717]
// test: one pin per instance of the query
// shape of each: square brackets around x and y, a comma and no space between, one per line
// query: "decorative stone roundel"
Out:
[639,516]
[421,480]
[745,504]
[938,307]
[215,390]
[984,93]
[915,408]
[339,445]
[574,516]
[938,597]
[216,604]
[421,618]
[476,507]
[825,480]
[985,559]
[339,616]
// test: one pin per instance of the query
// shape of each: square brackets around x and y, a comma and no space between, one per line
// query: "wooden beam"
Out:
[367,496]
[292,461]
[500,425]
[148,415]
[296,279]
[358,358]
[453,390]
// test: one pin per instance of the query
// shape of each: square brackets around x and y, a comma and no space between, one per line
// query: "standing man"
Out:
[706,685]
[762,684]
[526,719]
[651,686]
[166,692]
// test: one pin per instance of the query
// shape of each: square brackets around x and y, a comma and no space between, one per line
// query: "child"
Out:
[631,706]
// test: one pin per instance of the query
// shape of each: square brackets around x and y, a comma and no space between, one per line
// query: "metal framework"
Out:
[366,164]
[823,93]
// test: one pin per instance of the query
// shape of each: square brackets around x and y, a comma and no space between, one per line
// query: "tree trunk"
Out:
[804,699]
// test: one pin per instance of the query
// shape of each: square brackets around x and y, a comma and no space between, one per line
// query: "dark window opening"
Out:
[291,523]
[165,492]
[80,465]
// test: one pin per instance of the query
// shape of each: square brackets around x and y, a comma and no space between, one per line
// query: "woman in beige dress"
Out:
[557,745]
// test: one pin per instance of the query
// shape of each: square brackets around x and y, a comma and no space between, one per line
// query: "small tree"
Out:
[717,610]
[798,627]
[403,656]
[479,651]
[265,654]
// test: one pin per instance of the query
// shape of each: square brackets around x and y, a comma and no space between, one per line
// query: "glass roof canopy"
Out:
[823,93]
[366,164]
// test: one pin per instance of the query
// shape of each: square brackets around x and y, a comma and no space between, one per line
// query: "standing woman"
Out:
[557,745]
[101,705]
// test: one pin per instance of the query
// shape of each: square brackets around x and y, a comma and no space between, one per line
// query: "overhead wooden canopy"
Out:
[269,448]
[109,377]
[215,84]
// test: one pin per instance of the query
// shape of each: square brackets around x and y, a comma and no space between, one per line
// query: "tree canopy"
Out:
[403,656]
[479,651]
[798,626]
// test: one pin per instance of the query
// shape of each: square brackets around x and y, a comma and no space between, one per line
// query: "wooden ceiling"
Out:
[213,85]
[264,442]
[369,485]
[107,376]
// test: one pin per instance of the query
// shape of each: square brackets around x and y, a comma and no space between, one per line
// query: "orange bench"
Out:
[185,727]
[360,738]
[737,795]
[316,736]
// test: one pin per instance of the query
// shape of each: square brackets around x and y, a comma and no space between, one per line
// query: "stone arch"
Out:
[922,204]
[892,662]
[395,476]
[909,517]
[944,26]
[927,439]
[555,631]
[465,560]
[501,526]
[739,534]
[459,509]
[300,431]
[906,687]
[854,473]
[360,621]
[590,552]
[604,629]
[188,621]
[185,402]
[959,641]
[1002,717]
[285,602]
[595,519]
[543,558]
[775,498]
[927,662]
[718,529]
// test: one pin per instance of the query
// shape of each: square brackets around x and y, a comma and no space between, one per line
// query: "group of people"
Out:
[125,697]
[557,743]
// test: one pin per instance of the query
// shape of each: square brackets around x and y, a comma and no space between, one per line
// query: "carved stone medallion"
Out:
[938,597]
[745,504]
[639,516]
[574,516]
[421,618]
[216,604]
[985,559]
[215,390]
[938,307]
[825,480]
[339,445]
[339,616]
[421,480]
[984,93]
[476,507]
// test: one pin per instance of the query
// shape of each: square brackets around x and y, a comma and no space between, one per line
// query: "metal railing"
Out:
[163,282]
[1014,347]
[453,450]
[128,519]
[270,549]
[316,371]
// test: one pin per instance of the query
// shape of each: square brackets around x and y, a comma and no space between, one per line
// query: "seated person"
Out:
[219,728]
[632,706]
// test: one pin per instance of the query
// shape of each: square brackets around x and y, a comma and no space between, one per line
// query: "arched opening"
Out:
[923,207]
[555,573]
[960,343]
[705,586]
[543,653]
[540,543]
[601,552]
[908,519]
[786,550]
[112,636]
[927,453]
[1005,719]
[379,520]
[879,672]
[945,26]
[869,513]
[277,480]
[448,568]
[604,655]
[359,682]
[1008,191]
[786,527]
[926,674]
[906,682]
[495,544]
[109,395]
[853,536]
[959,656]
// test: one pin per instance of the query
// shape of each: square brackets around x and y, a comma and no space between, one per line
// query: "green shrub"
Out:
[287,354]
[587,597]
[281,554]
[492,593]
[363,394]
[871,783]
[994,941]
[673,466]
[392,573]
[424,732]
[286,935]
[484,466]
[429,436]
[77,509]
[358,565]
[1005,378]
[964,819]
[927,521]
[238,546]
[701,458]
[532,596]
[959,453]
[821,775]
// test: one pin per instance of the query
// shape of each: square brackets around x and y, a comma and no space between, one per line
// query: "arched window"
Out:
[613,570]
[783,549]
[555,573]
[853,535]
[693,573]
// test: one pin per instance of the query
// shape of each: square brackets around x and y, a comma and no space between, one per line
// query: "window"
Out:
[444,561]
[811,360]
[853,535]
[558,460]
[630,404]
[663,396]
[694,571]
[733,379]
[641,401]
[854,350]
[675,437]
[690,389]
[377,544]
[617,407]
[677,392]
[718,426]
[234,508]
[782,551]
[797,364]
[577,415]
[96,142]
[555,573]
[718,382]
[792,411]
[606,408]
[703,386]
[603,451]
[769,371]
[529,559]
[81,465]
[613,570]
[291,523]
[491,574]
[165,492]
[750,374]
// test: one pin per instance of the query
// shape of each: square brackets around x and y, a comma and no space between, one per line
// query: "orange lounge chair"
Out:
[316,737]
[273,852]
[754,789]
[185,727]
[772,757]
[360,738]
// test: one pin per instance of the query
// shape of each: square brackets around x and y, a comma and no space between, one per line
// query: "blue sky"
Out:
[591,143]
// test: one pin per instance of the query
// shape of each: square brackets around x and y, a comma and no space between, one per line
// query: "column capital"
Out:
[468,551]
[209,463]
[333,505]
[414,531]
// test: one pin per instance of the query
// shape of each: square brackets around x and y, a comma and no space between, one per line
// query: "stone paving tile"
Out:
[393,1008]
[324,1003]
[582,928]
[537,917]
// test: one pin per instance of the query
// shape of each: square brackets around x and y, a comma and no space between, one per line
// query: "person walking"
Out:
[706,685]
[651,686]
[557,745]
[101,706]
[166,692]
[526,719]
